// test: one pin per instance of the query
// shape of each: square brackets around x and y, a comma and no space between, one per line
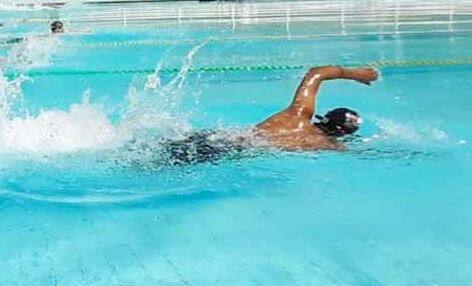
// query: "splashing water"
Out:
[83,126]
[408,133]
[151,108]
[31,52]
[154,107]
[10,91]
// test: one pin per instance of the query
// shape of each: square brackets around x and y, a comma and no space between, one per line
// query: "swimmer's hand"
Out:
[364,75]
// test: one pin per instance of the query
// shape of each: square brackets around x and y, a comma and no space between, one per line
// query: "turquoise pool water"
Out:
[81,205]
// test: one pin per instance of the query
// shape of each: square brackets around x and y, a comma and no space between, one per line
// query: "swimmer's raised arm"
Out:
[305,96]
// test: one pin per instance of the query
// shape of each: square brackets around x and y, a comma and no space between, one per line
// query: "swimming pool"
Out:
[80,205]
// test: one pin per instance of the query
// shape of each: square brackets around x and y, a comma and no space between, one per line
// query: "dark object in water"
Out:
[13,41]
[339,122]
[200,147]
[57,27]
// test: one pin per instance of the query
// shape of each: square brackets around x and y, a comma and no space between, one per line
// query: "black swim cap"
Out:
[339,122]
[57,27]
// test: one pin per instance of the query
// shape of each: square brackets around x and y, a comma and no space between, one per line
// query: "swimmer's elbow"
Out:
[327,72]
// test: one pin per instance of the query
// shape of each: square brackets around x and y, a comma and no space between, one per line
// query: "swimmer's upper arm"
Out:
[305,96]
[303,104]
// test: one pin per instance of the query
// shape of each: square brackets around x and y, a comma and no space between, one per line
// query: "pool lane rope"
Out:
[221,69]
[5,43]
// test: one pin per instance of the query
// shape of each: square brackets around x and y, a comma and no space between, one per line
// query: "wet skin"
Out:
[292,128]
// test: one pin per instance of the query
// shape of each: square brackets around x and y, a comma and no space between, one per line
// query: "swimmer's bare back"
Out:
[292,128]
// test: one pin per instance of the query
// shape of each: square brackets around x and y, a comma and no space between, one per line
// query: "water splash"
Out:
[10,92]
[79,155]
[31,52]
[51,130]
[28,53]
[152,109]
[412,133]
[83,126]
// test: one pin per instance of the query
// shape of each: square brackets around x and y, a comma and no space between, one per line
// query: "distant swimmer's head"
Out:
[339,122]
[57,27]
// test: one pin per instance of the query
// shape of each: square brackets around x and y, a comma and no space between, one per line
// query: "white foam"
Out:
[414,132]
[10,91]
[150,107]
[33,51]
[82,127]
[156,106]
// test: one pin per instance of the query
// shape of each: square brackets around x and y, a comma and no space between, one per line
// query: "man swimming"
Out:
[291,129]
[56,27]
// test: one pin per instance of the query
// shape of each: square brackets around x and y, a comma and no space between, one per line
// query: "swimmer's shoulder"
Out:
[309,138]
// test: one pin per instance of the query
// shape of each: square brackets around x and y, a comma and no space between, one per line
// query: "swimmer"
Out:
[295,128]
[57,27]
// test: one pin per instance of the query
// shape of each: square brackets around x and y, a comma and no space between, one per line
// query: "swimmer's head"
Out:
[339,122]
[57,27]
